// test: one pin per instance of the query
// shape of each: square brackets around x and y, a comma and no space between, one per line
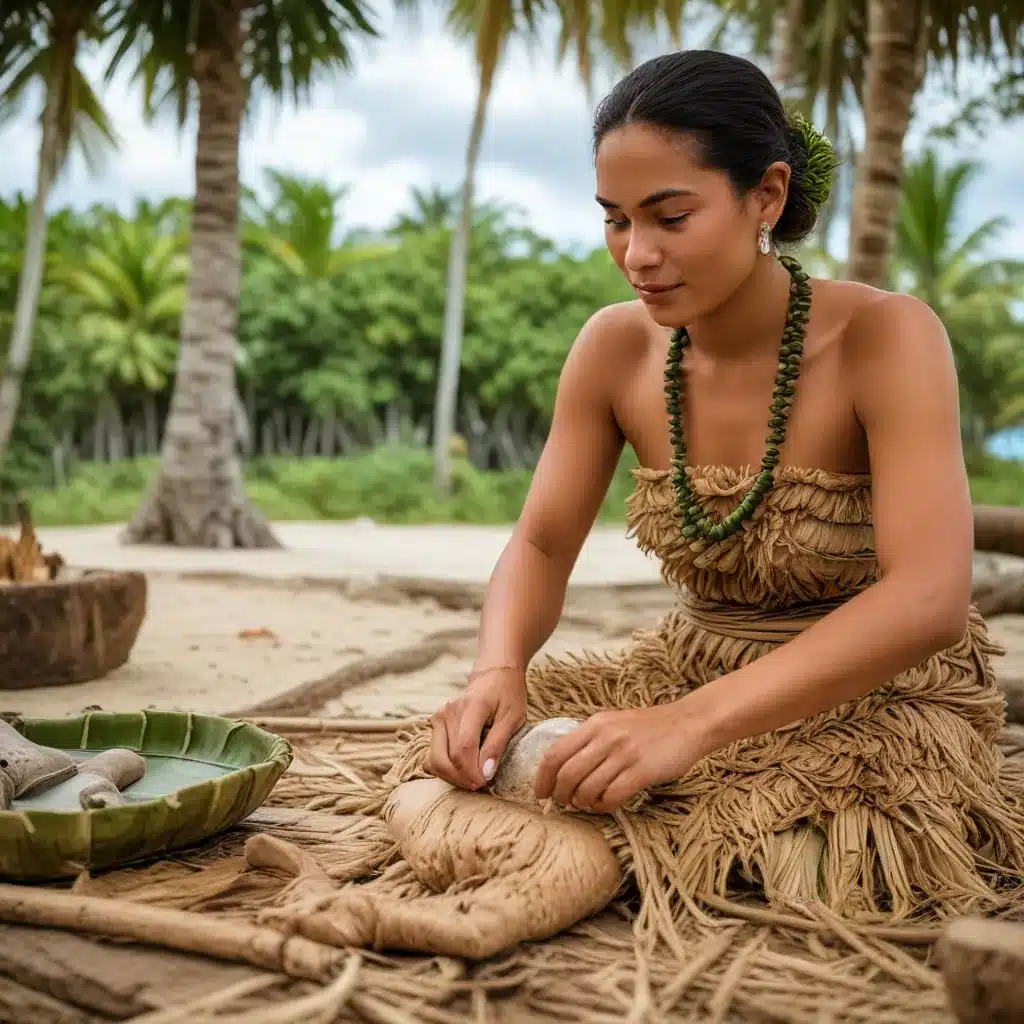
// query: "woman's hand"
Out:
[461,752]
[616,754]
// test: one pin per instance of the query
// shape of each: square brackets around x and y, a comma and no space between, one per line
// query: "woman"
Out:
[820,711]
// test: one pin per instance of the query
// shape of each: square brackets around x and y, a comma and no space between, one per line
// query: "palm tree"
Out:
[40,44]
[905,38]
[973,294]
[877,52]
[300,228]
[433,208]
[220,51]
[491,25]
[129,287]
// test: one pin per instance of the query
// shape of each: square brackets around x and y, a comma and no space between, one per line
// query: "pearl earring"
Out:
[764,239]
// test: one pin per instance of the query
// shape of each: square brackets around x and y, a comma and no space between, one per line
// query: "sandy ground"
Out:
[218,646]
[225,630]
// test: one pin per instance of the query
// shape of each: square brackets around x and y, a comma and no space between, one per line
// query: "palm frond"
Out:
[45,50]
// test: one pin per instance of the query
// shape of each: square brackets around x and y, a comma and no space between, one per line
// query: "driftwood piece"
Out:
[452,595]
[333,726]
[982,962]
[999,528]
[999,594]
[312,695]
[107,978]
[1013,691]
[1011,740]
[171,929]
[69,630]
[19,1003]
[293,822]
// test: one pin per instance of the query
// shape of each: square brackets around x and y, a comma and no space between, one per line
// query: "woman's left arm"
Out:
[899,363]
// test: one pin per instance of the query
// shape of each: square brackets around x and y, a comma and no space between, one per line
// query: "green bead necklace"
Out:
[697,525]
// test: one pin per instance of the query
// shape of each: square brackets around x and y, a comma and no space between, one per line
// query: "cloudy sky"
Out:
[401,119]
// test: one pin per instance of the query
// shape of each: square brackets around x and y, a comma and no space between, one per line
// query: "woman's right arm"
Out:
[528,586]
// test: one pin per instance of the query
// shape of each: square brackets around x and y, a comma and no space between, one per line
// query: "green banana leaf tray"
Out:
[203,774]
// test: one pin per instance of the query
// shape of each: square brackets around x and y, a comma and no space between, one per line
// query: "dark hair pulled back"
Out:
[734,113]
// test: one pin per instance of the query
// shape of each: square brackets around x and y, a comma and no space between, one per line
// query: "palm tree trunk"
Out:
[199,497]
[895,30]
[844,149]
[455,300]
[786,48]
[31,280]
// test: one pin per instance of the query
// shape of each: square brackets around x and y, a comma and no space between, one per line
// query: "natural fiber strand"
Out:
[800,875]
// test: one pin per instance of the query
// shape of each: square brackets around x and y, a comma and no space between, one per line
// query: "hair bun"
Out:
[821,161]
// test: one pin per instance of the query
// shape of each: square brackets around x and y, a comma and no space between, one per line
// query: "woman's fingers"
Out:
[508,719]
[437,761]
[576,770]
[619,790]
[464,739]
[591,789]
[551,763]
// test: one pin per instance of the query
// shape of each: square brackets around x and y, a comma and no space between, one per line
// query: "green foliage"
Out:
[351,348]
[332,361]
[98,493]
[129,287]
[996,481]
[973,294]
[299,228]
[288,44]
[392,484]
[342,366]
[821,161]
[44,48]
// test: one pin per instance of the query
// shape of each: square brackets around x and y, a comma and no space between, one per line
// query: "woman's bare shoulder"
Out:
[612,345]
[621,330]
[875,322]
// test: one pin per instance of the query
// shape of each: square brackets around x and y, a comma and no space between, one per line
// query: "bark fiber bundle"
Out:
[896,805]
[799,875]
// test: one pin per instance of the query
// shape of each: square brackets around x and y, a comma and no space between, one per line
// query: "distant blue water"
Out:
[1008,444]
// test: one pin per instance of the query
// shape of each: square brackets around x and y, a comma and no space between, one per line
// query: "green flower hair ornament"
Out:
[821,161]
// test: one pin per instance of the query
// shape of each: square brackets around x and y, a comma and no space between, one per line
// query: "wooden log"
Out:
[20,1003]
[1013,691]
[331,726]
[172,929]
[68,630]
[1000,594]
[115,980]
[313,695]
[982,962]
[999,528]
[1011,740]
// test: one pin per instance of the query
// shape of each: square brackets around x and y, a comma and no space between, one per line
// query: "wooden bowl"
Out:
[76,627]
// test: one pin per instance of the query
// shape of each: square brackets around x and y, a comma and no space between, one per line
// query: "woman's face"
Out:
[677,230]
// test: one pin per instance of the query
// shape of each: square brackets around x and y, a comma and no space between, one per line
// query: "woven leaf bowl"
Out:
[203,774]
